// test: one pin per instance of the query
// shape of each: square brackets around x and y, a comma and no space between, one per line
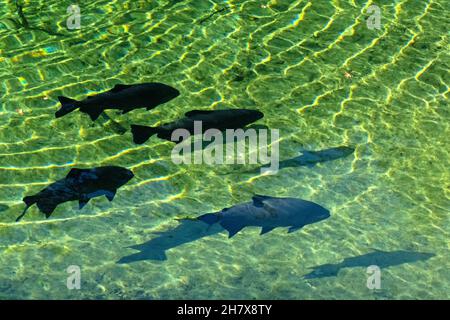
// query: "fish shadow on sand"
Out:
[311,158]
[265,212]
[382,259]
[188,230]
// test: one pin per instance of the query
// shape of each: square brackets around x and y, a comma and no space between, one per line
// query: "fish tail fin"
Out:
[93,112]
[67,106]
[209,218]
[142,133]
[29,201]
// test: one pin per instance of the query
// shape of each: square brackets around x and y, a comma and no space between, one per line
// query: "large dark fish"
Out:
[382,259]
[81,185]
[215,119]
[268,213]
[122,97]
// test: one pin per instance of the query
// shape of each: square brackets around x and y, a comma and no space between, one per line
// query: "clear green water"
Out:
[287,59]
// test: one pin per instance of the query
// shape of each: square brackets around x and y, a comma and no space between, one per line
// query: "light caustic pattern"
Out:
[318,74]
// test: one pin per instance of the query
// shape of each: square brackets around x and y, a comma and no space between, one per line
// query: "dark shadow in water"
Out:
[382,259]
[3,207]
[187,231]
[311,158]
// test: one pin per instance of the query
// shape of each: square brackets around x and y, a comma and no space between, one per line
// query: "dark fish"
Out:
[215,119]
[382,259]
[187,231]
[122,97]
[81,185]
[268,213]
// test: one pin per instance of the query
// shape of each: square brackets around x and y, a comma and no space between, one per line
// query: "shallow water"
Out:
[318,74]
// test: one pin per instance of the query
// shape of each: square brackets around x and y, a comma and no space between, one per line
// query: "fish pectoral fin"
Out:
[266,229]
[294,228]
[47,208]
[120,87]
[232,228]
[83,202]
[110,194]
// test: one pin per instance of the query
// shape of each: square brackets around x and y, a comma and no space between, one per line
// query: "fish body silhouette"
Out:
[81,185]
[268,213]
[122,97]
[214,119]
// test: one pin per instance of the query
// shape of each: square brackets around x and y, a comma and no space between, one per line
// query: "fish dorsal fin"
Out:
[194,113]
[82,202]
[75,172]
[110,194]
[120,87]
[258,200]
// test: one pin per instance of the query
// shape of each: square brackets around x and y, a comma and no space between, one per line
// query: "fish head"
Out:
[318,213]
[171,92]
[116,176]
[305,212]
[249,116]
[165,92]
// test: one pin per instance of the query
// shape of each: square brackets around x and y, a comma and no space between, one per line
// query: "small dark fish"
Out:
[121,97]
[81,185]
[382,259]
[311,158]
[268,213]
[215,119]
